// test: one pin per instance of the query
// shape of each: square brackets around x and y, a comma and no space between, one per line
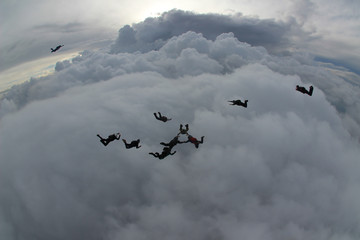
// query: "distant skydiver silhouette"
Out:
[304,91]
[172,143]
[166,152]
[182,130]
[134,143]
[57,48]
[109,139]
[161,118]
[194,141]
[239,103]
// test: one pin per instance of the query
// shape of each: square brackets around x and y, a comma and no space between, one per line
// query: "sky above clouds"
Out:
[284,168]
[27,35]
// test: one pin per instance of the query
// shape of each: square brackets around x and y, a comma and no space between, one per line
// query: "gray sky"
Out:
[284,168]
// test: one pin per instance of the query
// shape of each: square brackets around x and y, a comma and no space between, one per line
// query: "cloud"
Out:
[193,54]
[286,167]
[279,169]
[154,32]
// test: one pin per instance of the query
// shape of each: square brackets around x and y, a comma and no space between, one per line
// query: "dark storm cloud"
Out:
[154,32]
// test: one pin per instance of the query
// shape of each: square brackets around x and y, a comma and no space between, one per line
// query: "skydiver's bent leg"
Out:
[126,144]
[311,90]
[165,144]
[182,130]
[155,154]
[156,116]
[103,140]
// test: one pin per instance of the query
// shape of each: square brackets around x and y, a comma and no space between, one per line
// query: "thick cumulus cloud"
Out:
[153,33]
[283,168]
[193,54]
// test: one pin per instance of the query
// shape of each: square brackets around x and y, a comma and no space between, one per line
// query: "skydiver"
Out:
[304,91]
[57,48]
[134,143]
[239,103]
[161,118]
[194,141]
[182,130]
[166,152]
[172,143]
[109,139]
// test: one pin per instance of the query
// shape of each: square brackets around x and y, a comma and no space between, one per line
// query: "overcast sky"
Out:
[286,167]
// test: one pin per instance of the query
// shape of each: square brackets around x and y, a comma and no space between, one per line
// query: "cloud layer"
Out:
[284,168]
[153,33]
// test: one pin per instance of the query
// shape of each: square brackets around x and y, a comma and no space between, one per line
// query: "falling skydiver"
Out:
[239,103]
[57,48]
[109,139]
[172,143]
[166,152]
[134,143]
[194,141]
[304,91]
[161,118]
